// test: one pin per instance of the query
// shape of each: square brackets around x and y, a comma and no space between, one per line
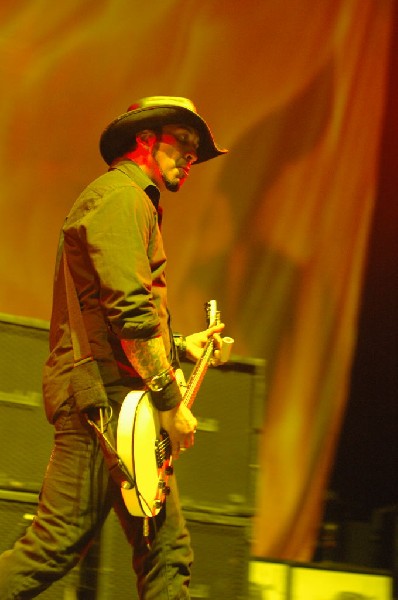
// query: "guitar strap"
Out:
[88,388]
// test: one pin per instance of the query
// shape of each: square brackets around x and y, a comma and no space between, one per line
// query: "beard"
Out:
[171,186]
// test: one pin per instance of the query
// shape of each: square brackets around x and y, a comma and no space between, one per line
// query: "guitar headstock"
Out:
[212,314]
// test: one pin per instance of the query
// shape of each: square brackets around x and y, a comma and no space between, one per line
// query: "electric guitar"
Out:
[144,447]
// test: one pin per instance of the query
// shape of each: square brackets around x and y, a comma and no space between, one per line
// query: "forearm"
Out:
[149,359]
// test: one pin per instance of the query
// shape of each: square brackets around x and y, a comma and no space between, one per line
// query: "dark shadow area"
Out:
[362,505]
[366,468]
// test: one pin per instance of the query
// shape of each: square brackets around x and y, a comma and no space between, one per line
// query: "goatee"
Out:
[170,186]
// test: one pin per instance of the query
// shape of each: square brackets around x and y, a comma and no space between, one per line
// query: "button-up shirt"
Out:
[115,253]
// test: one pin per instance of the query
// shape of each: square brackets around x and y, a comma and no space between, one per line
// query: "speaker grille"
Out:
[25,434]
[23,351]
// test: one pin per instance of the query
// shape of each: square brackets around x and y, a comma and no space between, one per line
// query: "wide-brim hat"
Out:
[154,112]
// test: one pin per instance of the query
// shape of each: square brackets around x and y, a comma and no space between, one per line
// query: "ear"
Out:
[146,139]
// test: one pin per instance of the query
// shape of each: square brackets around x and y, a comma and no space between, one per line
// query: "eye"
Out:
[187,140]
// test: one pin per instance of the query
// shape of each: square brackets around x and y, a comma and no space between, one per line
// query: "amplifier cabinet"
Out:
[220,471]
[24,349]
[26,436]
[116,579]
[221,553]
[104,574]
[17,510]
[221,547]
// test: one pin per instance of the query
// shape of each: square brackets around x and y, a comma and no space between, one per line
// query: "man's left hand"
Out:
[197,341]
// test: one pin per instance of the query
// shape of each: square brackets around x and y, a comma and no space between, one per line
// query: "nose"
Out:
[191,156]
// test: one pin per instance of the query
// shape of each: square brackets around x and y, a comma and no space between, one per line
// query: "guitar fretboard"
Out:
[198,373]
[201,366]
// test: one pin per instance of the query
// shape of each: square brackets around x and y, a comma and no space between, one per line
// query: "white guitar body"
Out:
[138,439]
[144,448]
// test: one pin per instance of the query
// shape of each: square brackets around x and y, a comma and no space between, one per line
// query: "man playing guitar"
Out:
[111,253]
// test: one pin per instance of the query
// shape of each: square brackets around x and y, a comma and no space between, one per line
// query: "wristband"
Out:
[168,397]
[162,380]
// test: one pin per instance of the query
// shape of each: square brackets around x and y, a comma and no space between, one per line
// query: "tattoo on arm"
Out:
[148,357]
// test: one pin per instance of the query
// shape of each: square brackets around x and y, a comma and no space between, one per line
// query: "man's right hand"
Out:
[180,425]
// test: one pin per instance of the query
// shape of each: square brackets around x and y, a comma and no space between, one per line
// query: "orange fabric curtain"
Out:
[277,230]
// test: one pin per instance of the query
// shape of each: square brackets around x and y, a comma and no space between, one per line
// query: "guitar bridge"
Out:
[162,449]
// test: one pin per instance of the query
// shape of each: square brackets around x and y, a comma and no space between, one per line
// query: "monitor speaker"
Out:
[305,581]
[338,584]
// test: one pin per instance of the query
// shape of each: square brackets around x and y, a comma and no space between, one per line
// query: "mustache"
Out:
[184,165]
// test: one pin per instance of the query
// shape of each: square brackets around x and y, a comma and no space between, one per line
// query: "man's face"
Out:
[174,153]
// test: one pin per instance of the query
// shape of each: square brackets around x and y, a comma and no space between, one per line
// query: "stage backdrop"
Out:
[277,230]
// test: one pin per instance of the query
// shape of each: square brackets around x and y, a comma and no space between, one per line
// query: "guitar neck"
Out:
[198,373]
[202,364]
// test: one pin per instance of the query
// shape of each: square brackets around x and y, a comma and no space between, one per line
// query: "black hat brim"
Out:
[119,135]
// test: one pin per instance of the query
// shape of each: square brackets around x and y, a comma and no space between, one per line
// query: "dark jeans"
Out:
[75,499]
